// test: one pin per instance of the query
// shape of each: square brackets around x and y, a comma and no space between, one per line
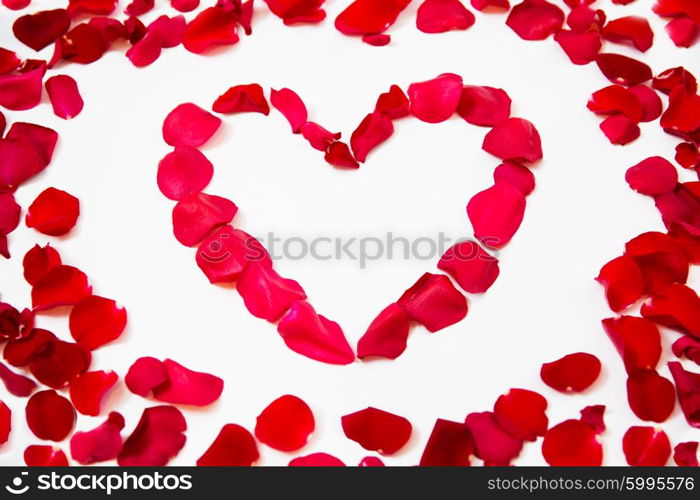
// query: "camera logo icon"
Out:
[18,487]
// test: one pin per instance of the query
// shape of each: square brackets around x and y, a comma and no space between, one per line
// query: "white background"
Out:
[544,305]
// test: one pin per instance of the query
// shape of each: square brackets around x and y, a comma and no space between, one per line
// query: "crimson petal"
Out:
[637,340]
[41,29]
[450,445]
[572,443]
[393,103]
[265,293]
[435,100]
[285,424]
[212,27]
[439,16]
[650,396]
[377,430]
[623,70]
[521,413]
[16,384]
[677,307]
[157,438]
[289,103]
[89,389]
[623,281]
[434,302]
[521,178]
[53,212]
[573,373]
[686,454]
[593,416]
[316,460]
[687,346]
[514,139]
[100,444]
[652,177]
[646,447]
[486,106]
[242,99]
[224,254]
[370,133]
[50,416]
[474,269]
[234,446]
[297,11]
[184,171]
[387,334]
[197,214]
[62,285]
[491,442]
[189,125]
[496,214]
[187,387]
[581,48]
[535,19]
[65,96]
[688,389]
[369,16]
[633,30]
[44,456]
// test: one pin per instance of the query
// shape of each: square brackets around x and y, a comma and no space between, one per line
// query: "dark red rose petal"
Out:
[646,447]
[632,30]
[661,260]
[682,206]
[19,352]
[370,133]
[434,302]
[650,396]
[41,139]
[135,30]
[486,106]
[310,334]
[316,460]
[521,413]
[450,445]
[9,213]
[377,40]
[13,324]
[377,430]
[439,16]
[435,100]
[265,293]
[496,214]
[65,96]
[5,422]
[687,346]
[573,373]
[289,103]
[184,5]
[96,321]
[652,107]
[83,44]
[535,19]
[688,389]
[196,215]
[616,99]
[677,307]
[16,4]
[652,177]
[371,462]
[224,254]
[297,11]
[50,416]
[234,446]
[687,155]
[41,29]
[318,137]
[572,443]
[187,387]
[145,375]
[59,363]
[489,5]
[138,7]
[514,139]
[53,212]
[686,454]
[620,130]
[369,16]
[667,80]
[514,174]
[16,384]
[100,444]
[683,31]
[393,103]
[212,27]
[682,117]
[100,7]
[88,390]
[474,269]
[593,416]
[189,125]
[61,286]
[44,456]
[184,171]
[242,99]
[637,340]
[387,334]
[688,238]
[285,424]
[38,261]
[146,51]
[110,29]
[170,30]
[339,156]
[582,48]
[491,442]
[20,91]
[157,438]
[19,161]
[623,70]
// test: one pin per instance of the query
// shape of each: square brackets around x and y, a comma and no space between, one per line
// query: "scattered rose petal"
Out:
[514,139]
[44,456]
[370,133]
[189,125]
[16,4]
[96,321]
[316,460]
[646,447]
[146,51]
[677,307]
[88,390]
[623,70]
[667,80]
[652,177]
[496,214]
[535,19]
[683,31]
[288,103]
[486,106]
[652,107]
[387,334]
[637,340]
[435,100]
[144,375]
[184,5]
[682,117]
[688,238]
[377,430]
[285,424]
[593,416]
[491,442]
[312,335]
[234,446]
[371,462]
[9,213]
[393,103]
[100,444]
[224,254]
[110,29]
[99,7]
[50,416]
[620,130]
[572,443]
[297,11]
[369,16]
[687,155]
[573,373]
[157,438]
[521,413]
[377,40]
[450,445]
[59,363]
[184,171]
[514,174]
[489,5]
[38,261]
[19,352]
[686,454]
[170,30]
[440,16]
[242,99]
[53,212]
[687,346]
[265,293]
[650,396]
[581,48]
[41,139]
[41,29]
[14,324]
[61,286]
[318,137]
[138,7]
[212,27]
[434,302]
[661,260]
[83,44]
[20,91]
[16,384]
[184,386]
[474,269]
[197,214]
[339,155]
[5,422]
[632,30]
[616,99]
[688,389]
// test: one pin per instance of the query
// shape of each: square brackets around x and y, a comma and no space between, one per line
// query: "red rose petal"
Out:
[450,445]
[234,446]
[686,454]
[652,106]
[572,443]
[242,99]
[581,48]
[135,30]
[386,336]
[318,137]
[157,438]
[96,321]
[16,4]
[434,302]
[146,50]
[62,285]
[681,207]
[224,254]
[377,430]
[491,442]
[514,139]
[393,103]
[677,307]
[535,19]
[637,340]
[138,7]
[377,40]
[59,363]
[9,213]
[667,80]
[573,373]
[369,16]
[83,44]
[632,30]
[339,155]
[5,422]
[41,139]
[19,161]
[661,260]
[620,130]
[196,215]
[521,413]
[687,155]
[110,29]
[89,389]
[652,177]
[688,238]
[683,31]
[435,100]
[496,214]
[486,106]
[144,375]
[682,117]
[8,62]
[16,384]
[297,11]
[646,447]
[38,261]
[184,171]
[44,456]
[53,212]
[623,70]
[616,99]
[212,27]
[489,5]
[316,460]
[474,269]
[187,387]
[100,444]
[170,30]
[265,293]
[687,346]
[19,352]
[593,416]
[370,133]
[41,29]
[184,5]
[440,16]
[189,125]
[285,424]
[65,96]
[100,7]
[312,335]
[288,103]
[20,91]
[371,462]
[650,396]
[50,416]
[688,388]
[514,174]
